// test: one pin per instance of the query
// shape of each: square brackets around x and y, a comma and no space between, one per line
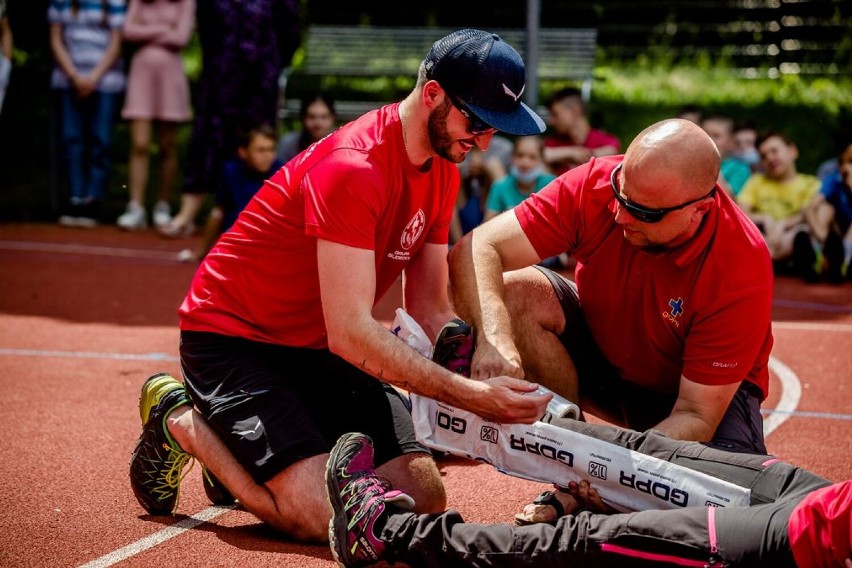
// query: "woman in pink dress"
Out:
[157,91]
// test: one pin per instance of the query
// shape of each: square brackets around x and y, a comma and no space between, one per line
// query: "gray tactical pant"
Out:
[695,536]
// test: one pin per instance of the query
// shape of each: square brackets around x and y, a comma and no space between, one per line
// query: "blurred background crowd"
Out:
[167,115]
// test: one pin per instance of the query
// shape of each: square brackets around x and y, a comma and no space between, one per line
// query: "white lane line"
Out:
[791,394]
[811,326]
[809,414]
[90,250]
[90,354]
[158,537]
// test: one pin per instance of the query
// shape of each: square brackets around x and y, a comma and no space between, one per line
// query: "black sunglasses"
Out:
[476,125]
[646,214]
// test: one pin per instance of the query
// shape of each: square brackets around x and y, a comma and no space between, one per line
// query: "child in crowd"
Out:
[775,200]
[830,217]
[691,112]
[318,119]
[573,141]
[85,38]
[242,177]
[734,171]
[479,170]
[745,148]
[157,91]
[527,175]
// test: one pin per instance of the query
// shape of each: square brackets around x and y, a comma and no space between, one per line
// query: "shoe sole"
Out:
[154,382]
[337,506]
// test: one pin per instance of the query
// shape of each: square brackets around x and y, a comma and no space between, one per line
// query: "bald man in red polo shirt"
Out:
[667,324]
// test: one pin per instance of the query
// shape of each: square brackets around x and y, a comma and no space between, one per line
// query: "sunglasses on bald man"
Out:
[647,214]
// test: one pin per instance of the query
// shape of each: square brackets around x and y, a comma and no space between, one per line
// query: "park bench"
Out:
[564,54]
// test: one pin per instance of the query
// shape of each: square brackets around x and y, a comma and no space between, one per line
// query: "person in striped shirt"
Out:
[85,37]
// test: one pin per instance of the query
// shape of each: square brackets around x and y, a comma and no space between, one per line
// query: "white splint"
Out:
[625,479]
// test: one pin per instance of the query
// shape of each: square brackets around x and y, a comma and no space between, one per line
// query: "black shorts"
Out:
[274,406]
[601,385]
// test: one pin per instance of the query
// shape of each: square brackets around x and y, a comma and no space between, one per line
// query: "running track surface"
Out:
[88,315]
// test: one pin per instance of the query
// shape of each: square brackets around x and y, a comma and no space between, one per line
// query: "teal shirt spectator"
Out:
[505,193]
[735,172]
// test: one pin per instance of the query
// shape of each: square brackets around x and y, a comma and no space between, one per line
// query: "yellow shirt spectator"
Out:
[778,199]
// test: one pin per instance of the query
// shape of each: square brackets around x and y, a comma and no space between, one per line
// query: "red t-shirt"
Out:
[820,527]
[596,139]
[354,187]
[701,310]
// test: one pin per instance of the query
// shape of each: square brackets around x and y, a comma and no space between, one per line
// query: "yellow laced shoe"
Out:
[158,463]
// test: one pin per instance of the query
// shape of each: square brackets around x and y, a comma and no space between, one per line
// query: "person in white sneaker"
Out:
[157,91]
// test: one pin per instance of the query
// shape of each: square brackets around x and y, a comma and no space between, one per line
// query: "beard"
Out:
[439,138]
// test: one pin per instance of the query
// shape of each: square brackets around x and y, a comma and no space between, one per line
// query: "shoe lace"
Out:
[360,492]
[172,472]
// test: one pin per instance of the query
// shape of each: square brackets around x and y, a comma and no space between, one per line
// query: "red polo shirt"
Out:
[354,187]
[701,310]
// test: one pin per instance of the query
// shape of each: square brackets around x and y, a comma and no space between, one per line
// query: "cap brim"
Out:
[522,121]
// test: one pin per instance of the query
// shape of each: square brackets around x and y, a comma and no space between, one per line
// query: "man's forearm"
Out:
[374,349]
[689,426]
[477,277]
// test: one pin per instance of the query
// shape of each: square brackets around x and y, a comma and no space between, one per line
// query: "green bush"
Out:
[810,110]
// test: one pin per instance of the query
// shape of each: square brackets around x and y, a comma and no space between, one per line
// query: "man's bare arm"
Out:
[477,264]
[347,288]
[697,410]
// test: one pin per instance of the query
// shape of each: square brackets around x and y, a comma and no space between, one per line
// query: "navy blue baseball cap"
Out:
[488,76]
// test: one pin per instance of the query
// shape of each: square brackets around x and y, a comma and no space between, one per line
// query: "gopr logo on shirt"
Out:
[676,310]
[413,230]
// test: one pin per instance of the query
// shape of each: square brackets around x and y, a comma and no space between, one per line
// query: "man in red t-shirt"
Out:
[668,325]
[574,141]
[279,349]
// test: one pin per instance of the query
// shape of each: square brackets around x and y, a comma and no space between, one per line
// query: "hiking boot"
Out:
[157,463]
[361,502]
[454,347]
[215,490]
